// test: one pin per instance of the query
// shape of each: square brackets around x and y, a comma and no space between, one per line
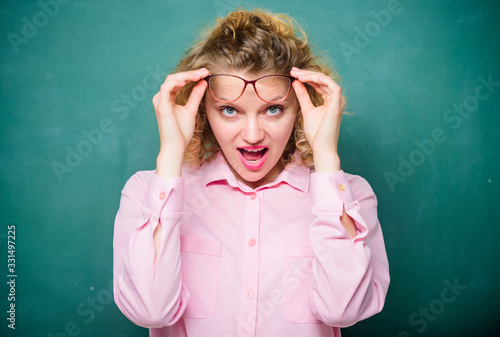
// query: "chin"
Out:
[257,178]
[252,177]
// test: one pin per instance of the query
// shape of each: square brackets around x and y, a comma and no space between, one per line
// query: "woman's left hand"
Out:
[321,123]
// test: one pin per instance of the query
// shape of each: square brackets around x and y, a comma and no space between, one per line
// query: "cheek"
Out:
[220,130]
[216,129]
[283,137]
[284,131]
[212,121]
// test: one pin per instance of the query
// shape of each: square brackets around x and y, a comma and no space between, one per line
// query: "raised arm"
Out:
[351,274]
[147,276]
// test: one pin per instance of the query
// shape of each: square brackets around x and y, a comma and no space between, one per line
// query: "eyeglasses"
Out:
[227,88]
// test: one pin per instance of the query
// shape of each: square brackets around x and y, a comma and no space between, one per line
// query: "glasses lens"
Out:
[273,88]
[226,88]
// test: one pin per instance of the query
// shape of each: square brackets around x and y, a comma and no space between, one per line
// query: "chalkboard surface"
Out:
[423,83]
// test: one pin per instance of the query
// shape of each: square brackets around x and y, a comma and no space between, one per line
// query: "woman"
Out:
[248,226]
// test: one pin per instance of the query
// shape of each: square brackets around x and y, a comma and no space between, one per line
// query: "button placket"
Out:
[250,263]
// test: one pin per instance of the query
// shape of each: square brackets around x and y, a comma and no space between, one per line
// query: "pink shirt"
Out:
[274,261]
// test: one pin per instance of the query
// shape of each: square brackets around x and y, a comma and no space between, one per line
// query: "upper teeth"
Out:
[257,150]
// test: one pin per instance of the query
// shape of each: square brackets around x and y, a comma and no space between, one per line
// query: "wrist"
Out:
[169,164]
[326,162]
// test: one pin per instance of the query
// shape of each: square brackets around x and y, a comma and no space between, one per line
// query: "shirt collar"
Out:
[294,174]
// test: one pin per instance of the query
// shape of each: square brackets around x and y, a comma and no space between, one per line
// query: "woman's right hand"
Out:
[176,122]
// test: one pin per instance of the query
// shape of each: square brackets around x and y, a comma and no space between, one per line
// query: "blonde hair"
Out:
[253,41]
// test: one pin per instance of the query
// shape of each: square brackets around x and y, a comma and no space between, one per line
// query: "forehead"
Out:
[247,75]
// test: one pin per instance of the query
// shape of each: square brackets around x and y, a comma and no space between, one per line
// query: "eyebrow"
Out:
[286,100]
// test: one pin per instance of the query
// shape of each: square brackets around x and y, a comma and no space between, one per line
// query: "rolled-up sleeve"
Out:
[351,275]
[147,295]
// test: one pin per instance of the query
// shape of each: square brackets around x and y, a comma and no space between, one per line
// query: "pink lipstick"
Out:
[253,157]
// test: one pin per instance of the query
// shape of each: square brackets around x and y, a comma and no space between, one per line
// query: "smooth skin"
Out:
[249,121]
[321,126]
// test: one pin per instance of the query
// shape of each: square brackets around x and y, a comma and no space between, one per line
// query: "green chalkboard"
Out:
[422,80]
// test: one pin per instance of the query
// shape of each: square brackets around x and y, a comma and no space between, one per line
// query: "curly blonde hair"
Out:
[252,41]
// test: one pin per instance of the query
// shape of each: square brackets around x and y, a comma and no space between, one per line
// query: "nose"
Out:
[252,131]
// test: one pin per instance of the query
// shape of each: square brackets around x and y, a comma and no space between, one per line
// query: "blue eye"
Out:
[228,111]
[274,110]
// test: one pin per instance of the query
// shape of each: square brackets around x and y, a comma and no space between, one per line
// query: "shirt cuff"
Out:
[332,189]
[164,197]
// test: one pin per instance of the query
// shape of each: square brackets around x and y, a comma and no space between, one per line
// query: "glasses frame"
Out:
[291,78]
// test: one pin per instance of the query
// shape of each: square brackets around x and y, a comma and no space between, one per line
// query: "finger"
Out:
[302,96]
[298,71]
[173,85]
[311,77]
[196,96]
[301,72]
[155,99]
[175,82]
[193,75]
[167,93]
[335,93]
[325,85]
[319,80]
[318,88]
[314,81]
[333,88]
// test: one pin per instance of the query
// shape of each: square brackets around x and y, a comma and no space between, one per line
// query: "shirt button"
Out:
[162,195]
[249,294]
[253,195]
[252,242]
[342,187]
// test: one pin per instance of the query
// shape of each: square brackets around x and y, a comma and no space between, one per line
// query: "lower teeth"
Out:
[253,161]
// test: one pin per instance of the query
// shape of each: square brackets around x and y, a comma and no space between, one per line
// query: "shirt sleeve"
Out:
[148,295]
[351,275]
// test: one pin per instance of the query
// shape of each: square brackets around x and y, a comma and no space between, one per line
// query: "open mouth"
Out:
[253,157]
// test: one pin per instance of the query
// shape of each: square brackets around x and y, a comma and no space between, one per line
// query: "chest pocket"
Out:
[297,282]
[200,259]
